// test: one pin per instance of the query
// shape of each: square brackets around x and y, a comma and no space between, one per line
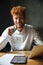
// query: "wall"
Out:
[34,12]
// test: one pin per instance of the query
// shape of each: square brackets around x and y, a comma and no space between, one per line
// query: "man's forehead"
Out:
[17,16]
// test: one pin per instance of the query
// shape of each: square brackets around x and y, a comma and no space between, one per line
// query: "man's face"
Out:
[19,21]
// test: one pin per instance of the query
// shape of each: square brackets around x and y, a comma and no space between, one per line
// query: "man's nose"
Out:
[18,20]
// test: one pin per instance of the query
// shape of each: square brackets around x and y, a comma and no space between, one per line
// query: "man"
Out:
[20,35]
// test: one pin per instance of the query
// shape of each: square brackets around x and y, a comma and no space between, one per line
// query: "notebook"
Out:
[37,51]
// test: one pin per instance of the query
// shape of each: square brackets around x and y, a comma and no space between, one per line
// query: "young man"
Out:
[20,35]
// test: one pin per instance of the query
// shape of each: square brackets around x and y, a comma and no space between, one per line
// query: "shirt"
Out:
[20,40]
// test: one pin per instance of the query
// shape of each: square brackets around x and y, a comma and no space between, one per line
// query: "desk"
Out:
[29,61]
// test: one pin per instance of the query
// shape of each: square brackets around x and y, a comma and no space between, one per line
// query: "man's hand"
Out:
[10,31]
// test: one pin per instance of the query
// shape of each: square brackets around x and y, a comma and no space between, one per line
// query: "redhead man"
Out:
[20,35]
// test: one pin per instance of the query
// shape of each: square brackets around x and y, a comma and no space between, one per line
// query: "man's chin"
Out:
[19,28]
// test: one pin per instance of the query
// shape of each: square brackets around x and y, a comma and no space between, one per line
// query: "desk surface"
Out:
[30,61]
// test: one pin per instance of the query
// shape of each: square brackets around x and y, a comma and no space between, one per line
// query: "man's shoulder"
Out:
[10,27]
[29,26]
[6,29]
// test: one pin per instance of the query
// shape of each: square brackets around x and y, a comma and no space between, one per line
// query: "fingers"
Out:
[10,31]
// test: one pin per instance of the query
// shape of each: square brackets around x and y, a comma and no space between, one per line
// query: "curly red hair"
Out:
[18,10]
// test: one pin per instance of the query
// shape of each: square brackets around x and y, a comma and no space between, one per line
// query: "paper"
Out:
[6,59]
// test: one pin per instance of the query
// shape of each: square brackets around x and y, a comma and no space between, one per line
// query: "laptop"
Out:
[37,51]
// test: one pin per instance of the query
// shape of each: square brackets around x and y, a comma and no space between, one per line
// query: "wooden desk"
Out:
[30,61]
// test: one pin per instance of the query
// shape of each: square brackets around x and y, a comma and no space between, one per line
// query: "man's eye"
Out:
[15,18]
[21,19]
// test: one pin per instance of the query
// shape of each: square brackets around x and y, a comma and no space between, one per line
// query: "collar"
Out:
[22,32]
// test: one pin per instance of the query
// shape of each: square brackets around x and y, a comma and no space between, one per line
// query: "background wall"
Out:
[34,12]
